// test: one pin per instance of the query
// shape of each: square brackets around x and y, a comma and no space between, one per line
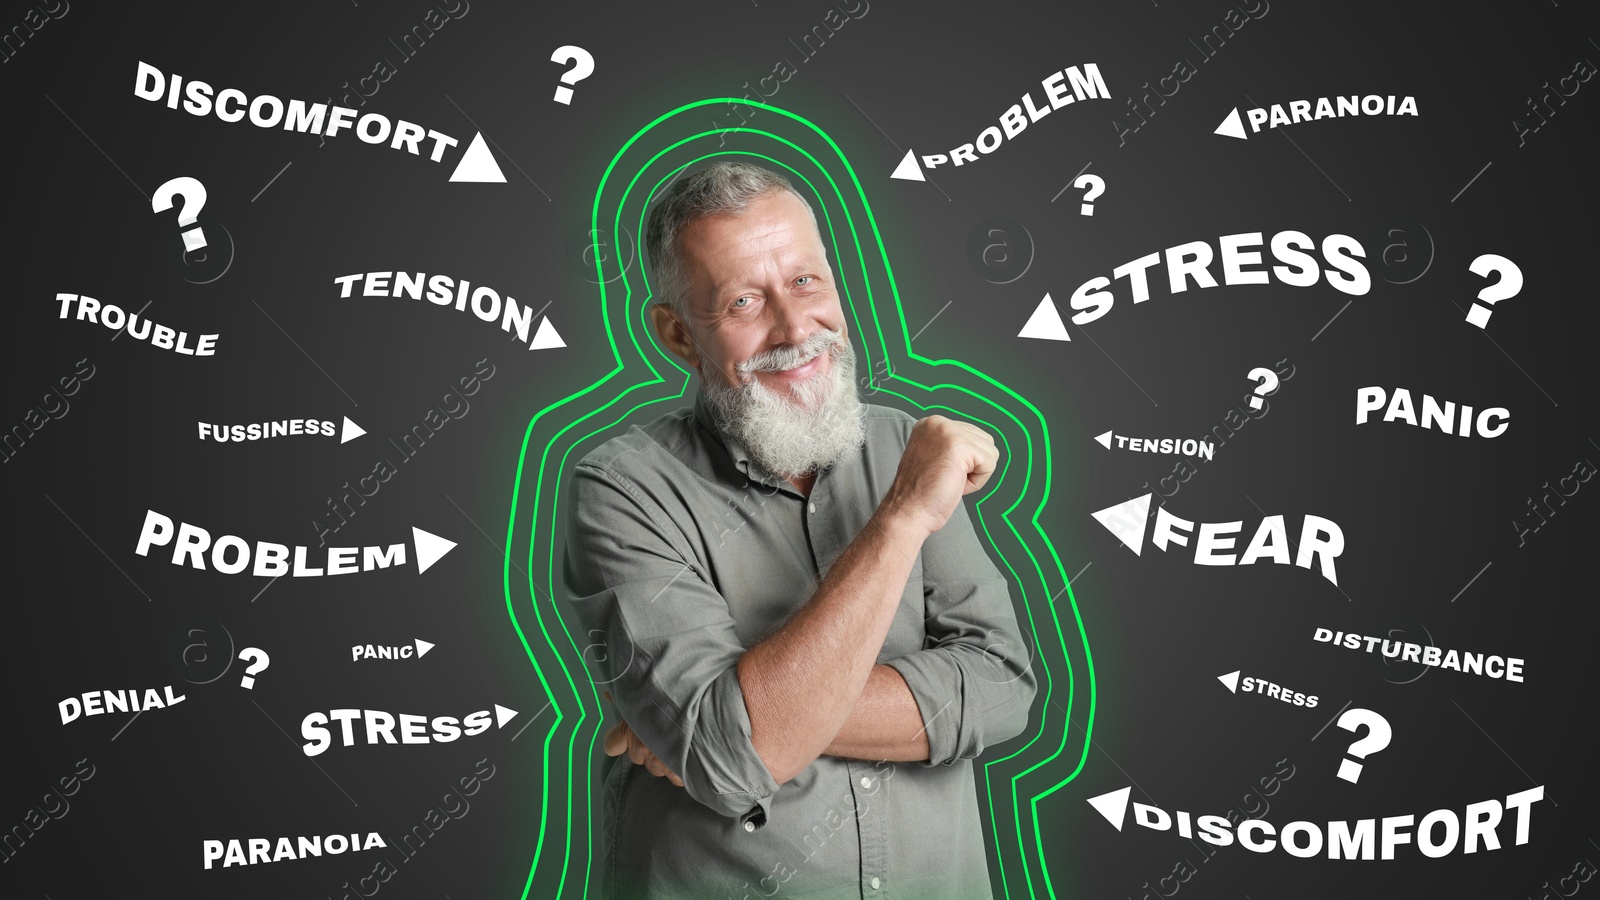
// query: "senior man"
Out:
[804,638]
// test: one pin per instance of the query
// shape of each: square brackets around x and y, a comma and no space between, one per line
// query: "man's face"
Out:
[757,282]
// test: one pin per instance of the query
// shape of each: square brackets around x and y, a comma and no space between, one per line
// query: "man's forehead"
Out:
[725,240]
[733,235]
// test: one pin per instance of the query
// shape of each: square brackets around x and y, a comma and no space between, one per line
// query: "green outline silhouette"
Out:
[949,386]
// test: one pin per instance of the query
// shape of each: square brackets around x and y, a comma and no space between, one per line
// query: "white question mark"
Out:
[583,67]
[194,199]
[1509,284]
[1096,186]
[261,661]
[1378,734]
[1269,383]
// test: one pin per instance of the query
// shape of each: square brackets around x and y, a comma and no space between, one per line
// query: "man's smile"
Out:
[815,366]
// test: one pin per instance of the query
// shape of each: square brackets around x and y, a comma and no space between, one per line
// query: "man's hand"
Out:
[943,461]
[620,738]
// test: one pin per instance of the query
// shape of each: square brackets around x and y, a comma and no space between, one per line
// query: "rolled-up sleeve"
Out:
[670,649]
[973,681]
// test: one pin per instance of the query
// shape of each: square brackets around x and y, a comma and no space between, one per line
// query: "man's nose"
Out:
[792,322]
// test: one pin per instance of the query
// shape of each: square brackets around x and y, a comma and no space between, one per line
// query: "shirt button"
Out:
[811,507]
[751,826]
[875,882]
[866,783]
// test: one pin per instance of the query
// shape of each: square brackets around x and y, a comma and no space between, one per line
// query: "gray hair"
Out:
[722,188]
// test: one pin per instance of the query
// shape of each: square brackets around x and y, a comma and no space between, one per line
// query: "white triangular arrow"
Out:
[1104,439]
[908,170]
[502,715]
[1114,806]
[350,432]
[1045,324]
[422,648]
[1126,521]
[477,164]
[429,548]
[1230,681]
[546,337]
[1232,126]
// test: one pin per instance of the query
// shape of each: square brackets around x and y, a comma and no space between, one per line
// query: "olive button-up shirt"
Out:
[681,553]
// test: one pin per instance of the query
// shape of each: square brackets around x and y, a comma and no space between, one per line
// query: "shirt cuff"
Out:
[724,770]
[937,684]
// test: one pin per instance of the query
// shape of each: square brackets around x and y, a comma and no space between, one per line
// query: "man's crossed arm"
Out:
[884,724]
[813,687]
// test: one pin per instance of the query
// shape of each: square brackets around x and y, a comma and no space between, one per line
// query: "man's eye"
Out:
[803,279]
[741,303]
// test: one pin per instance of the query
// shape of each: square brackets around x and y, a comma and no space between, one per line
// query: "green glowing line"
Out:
[1035,445]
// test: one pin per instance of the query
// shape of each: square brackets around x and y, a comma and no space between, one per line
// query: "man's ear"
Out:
[674,334]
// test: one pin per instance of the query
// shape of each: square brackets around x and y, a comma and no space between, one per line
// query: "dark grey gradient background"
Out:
[1422,512]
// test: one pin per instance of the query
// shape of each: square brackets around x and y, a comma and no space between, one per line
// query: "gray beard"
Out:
[788,438]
